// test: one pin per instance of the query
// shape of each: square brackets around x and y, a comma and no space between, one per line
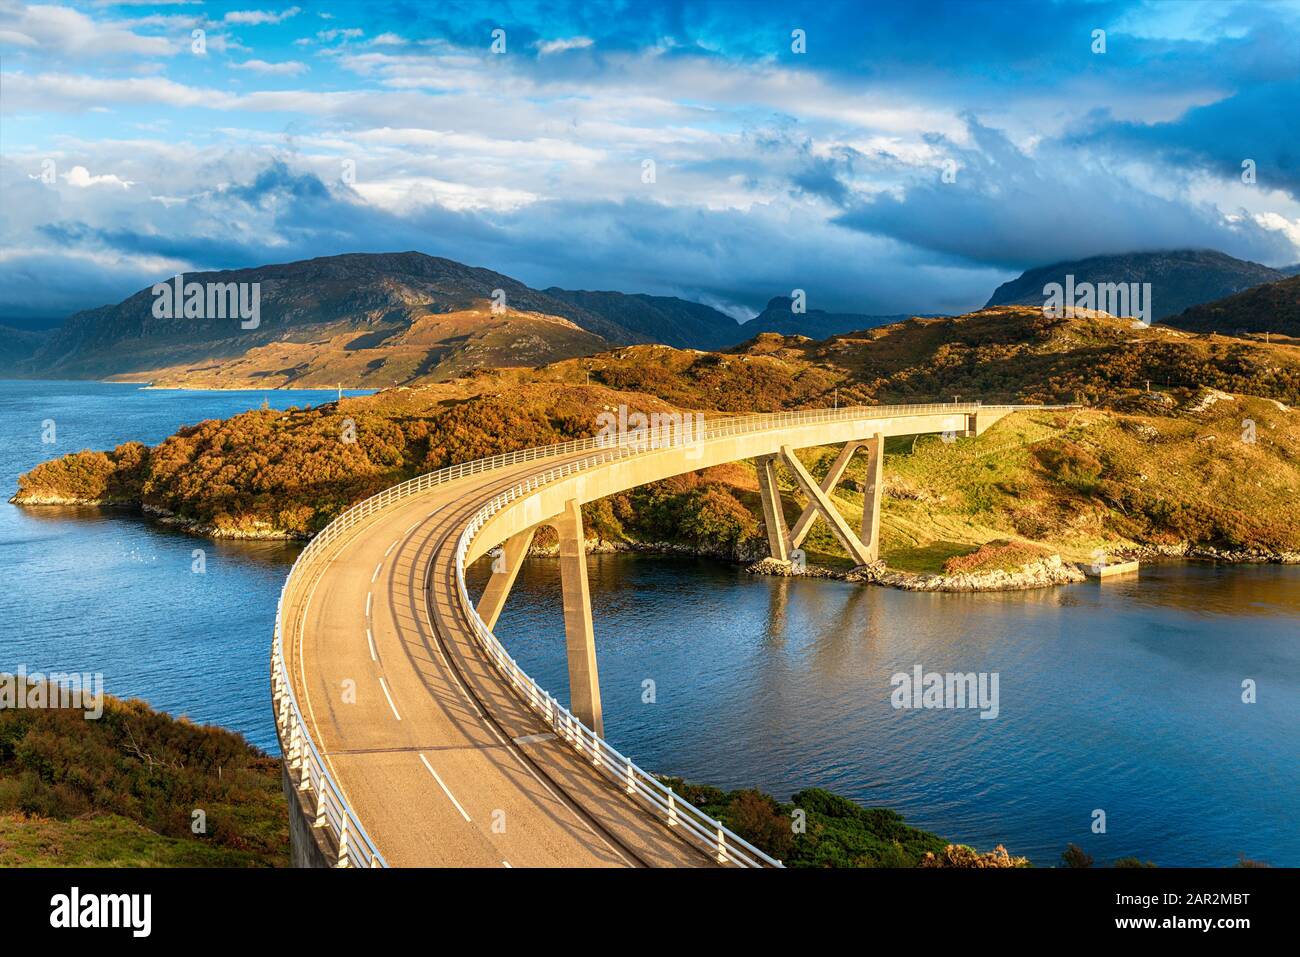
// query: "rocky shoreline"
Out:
[163,517]
[1046,573]
[1209,553]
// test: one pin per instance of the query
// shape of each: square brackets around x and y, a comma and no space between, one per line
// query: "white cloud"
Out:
[80,177]
[64,33]
[14,38]
[286,68]
[387,39]
[559,46]
[66,92]
[1290,228]
[351,33]
[255,17]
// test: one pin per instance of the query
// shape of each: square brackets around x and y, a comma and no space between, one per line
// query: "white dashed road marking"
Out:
[384,684]
[534,738]
[450,796]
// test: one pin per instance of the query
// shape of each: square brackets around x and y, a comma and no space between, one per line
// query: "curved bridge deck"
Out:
[412,739]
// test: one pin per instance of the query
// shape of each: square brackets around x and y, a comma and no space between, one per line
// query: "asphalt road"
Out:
[432,749]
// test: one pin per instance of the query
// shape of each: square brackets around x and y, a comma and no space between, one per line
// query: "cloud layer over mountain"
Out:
[910,160]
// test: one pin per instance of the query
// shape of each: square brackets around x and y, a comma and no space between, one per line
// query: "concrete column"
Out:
[843,531]
[579,637]
[778,536]
[805,523]
[872,492]
[513,552]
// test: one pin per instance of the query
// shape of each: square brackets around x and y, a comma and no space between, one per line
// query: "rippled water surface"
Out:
[102,590]
[1124,698]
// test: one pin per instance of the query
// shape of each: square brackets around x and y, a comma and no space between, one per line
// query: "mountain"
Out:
[1179,279]
[664,319]
[777,316]
[378,320]
[364,319]
[1273,307]
[17,346]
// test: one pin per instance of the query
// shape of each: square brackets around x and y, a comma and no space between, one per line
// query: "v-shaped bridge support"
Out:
[862,548]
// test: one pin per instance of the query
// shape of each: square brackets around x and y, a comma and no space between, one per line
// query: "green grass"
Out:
[107,840]
[1074,482]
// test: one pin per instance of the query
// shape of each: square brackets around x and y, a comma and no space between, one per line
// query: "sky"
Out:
[885,157]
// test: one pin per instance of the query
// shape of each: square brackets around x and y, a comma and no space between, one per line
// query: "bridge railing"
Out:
[310,773]
[724,845]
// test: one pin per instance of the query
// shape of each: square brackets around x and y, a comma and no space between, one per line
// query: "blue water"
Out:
[1124,698]
[102,590]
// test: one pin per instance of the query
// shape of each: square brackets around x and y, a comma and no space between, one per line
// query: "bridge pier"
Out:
[778,536]
[872,492]
[579,636]
[513,553]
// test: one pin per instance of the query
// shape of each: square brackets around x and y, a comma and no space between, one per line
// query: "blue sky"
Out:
[130,151]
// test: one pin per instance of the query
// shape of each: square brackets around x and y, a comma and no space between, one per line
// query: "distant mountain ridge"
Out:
[1179,279]
[1272,307]
[665,319]
[364,319]
[779,316]
[377,320]
[381,319]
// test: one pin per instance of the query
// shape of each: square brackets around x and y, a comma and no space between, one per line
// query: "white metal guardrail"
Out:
[307,769]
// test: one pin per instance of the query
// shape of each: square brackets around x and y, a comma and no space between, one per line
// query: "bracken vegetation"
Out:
[817,828]
[123,789]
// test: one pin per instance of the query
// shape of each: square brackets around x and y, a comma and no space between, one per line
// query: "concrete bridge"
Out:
[412,738]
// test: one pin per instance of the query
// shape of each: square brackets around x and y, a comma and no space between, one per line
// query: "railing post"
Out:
[321,819]
[343,841]
[304,766]
[631,781]
[672,808]
[722,845]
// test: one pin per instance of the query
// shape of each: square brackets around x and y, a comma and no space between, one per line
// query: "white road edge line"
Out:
[506,864]
[445,791]
[384,684]
[390,548]
[371,642]
[367,604]
[378,568]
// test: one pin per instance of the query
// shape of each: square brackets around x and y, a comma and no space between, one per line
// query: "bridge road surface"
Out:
[438,756]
